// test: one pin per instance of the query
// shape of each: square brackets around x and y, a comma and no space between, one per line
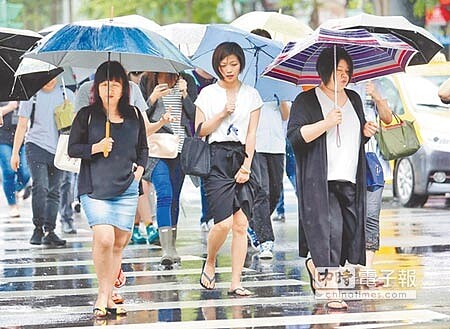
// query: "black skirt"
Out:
[225,196]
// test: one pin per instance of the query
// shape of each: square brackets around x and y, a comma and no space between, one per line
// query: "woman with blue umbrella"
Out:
[108,187]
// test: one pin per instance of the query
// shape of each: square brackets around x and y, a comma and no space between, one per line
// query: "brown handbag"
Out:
[163,145]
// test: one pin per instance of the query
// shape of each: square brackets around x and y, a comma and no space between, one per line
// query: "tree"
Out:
[162,11]
[36,15]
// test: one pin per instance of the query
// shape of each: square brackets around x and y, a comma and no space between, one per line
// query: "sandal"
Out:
[117,299]
[121,279]
[240,292]
[100,312]
[311,276]
[342,305]
[211,281]
[116,310]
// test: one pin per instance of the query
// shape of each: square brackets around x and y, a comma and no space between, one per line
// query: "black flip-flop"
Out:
[235,292]
[311,277]
[210,280]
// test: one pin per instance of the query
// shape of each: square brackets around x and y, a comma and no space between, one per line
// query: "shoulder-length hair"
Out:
[325,63]
[226,49]
[112,71]
[149,81]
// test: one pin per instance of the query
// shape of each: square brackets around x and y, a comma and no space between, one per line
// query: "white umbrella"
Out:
[186,36]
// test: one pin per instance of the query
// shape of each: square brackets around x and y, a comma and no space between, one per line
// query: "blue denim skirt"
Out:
[118,211]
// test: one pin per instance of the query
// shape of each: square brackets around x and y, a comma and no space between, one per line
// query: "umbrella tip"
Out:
[111,14]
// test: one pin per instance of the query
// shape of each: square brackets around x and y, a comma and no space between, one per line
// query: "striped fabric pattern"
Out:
[174,100]
[373,55]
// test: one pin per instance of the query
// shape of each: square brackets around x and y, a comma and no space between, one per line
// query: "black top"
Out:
[100,177]
[9,127]
[312,185]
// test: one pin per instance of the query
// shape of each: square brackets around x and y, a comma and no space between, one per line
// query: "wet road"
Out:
[45,287]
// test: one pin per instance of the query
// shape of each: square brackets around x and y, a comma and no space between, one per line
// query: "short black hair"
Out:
[226,49]
[113,71]
[325,63]
[262,33]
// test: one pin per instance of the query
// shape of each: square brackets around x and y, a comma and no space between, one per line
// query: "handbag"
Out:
[196,155]
[64,112]
[397,140]
[374,172]
[62,159]
[163,145]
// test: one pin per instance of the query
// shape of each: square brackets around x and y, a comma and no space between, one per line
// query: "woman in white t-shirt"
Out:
[229,112]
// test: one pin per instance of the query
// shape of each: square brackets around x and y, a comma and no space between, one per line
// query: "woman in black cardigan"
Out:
[331,171]
[109,186]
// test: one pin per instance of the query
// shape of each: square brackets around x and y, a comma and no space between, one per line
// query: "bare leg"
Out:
[369,258]
[238,248]
[102,253]
[120,241]
[144,211]
[216,238]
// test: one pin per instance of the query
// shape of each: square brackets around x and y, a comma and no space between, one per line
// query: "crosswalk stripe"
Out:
[166,286]
[90,262]
[132,274]
[414,316]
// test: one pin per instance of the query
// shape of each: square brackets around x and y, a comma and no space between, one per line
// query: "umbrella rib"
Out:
[400,36]
[7,64]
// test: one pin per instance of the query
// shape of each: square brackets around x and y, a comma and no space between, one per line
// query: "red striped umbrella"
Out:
[373,54]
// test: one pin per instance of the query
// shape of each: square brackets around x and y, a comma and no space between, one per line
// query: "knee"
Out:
[240,227]
[104,242]
[223,226]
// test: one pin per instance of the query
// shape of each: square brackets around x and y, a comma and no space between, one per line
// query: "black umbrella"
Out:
[13,44]
[416,36]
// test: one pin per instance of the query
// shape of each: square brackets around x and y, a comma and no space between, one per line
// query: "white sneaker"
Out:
[265,250]
[14,212]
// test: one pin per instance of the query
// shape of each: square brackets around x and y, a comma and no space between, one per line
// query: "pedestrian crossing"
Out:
[50,287]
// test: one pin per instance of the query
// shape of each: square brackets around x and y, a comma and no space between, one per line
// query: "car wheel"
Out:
[404,185]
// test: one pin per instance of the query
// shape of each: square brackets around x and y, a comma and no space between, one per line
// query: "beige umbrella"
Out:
[281,27]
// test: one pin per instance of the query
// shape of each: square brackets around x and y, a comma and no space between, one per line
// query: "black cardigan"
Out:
[100,177]
[312,185]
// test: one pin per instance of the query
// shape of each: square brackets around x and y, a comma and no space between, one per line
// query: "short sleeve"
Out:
[256,100]
[137,99]
[202,100]
[25,108]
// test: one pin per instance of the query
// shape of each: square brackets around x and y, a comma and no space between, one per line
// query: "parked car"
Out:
[427,172]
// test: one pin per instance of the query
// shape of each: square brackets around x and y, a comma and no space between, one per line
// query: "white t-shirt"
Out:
[270,135]
[212,100]
[343,159]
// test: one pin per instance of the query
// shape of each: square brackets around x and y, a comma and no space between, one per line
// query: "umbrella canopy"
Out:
[373,55]
[416,36]
[185,36]
[283,28]
[90,43]
[259,52]
[13,44]
[30,76]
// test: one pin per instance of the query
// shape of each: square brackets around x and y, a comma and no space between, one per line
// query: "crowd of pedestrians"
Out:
[318,143]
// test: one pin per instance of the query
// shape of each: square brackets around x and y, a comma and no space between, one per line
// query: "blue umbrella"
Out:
[259,52]
[90,43]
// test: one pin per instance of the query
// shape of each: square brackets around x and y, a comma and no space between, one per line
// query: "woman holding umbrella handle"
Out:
[331,180]
[109,187]
[229,113]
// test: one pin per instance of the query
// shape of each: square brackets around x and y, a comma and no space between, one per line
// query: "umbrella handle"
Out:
[107,135]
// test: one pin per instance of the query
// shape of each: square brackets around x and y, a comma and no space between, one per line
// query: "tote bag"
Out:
[397,140]
[196,156]
[62,159]
[163,145]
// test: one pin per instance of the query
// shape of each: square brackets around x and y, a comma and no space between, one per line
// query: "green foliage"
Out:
[420,6]
[36,15]
[162,11]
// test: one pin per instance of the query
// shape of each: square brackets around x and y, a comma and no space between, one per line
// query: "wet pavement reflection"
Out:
[49,287]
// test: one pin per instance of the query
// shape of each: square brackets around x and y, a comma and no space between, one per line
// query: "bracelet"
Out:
[244,170]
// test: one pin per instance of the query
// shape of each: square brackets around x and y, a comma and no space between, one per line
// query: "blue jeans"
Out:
[45,190]
[66,196]
[168,178]
[13,181]
[290,172]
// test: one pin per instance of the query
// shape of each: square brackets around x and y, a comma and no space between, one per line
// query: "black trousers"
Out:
[268,170]
[342,217]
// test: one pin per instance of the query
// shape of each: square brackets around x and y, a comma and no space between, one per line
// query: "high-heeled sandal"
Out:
[311,276]
[116,310]
[100,312]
